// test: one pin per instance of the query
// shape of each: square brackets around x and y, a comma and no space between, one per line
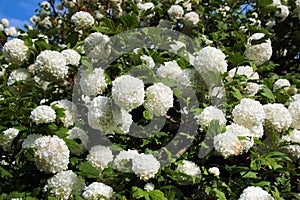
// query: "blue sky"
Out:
[18,12]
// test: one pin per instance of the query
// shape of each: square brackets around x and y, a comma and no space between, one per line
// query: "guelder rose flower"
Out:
[122,120]
[189,168]
[5,22]
[63,183]
[281,83]
[43,114]
[214,170]
[95,189]
[51,65]
[29,141]
[7,138]
[123,161]
[175,12]
[96,46]
[227,144]
[128,92]
[72,56]
[70,111]
[100,157]
[15,51]
[82,19]
[159,99]
[284,11]
[292,149]
[17,75]
[245,71]
[79,134]
[149,187]
[93,82]
[191,18]
[255,193]
[259,53]
[148,61]
[209,114]
[170,70]
[210,59]
[277,116]
[294,109]
[52,154]
[145,166]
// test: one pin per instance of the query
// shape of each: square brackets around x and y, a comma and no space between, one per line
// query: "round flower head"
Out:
[148,61]
[250,114]
[70,111]
[93,82]
[96,46]
[159,98]
[17,75]
[100,156]
[122,120]
[281,83]
[245,71]
[78,133]
[52,154]
[128,92]
[51,65]
[189,168]
[145,166]
[72,57]
[95,189]
[145,6]
[11,31]
[294,109]
[210,59]
[63,183]
[284,11]
[5,22]
[191,18]
[149,187]
[170,70]
[100,115]
[188,79]
[29,141]
[227,144]
[255,193]
[259,53]
[209,114]
[8,136]
[123,161]
[277,116]
[43,114]
[292,149]
[175,12]
[82,19]
[15,51]
[214,170]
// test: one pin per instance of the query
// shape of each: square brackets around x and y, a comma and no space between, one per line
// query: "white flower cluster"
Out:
[189,168]
[82,19]
[63,183]
[149,187]
[145,6]
[5,22]
[43,114]
[145,166]
[214,170]
[122,120]
[123,161]
[100,156]
[292,149]
[191,18]
[210,59]
[284,11]
[93,82]
[128,92]
[148,61]
[70,111]
[250,114]
[72,57]
[29,141]
[159,99]
[95,189]
[52,154]
[188,79]
[243,71]
[175,12]
[7,138]
[78,133]
[51,65]
[169,70]
[277,116]
[294,109]
[96,46]
[227,144]
[209,114]
[17,75]
[281,83]
[15,51]
[259,53]
[255,193]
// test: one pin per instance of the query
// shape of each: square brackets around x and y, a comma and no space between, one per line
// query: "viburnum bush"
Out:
[152,100]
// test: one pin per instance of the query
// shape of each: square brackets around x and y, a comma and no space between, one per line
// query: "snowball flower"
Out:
[43,114]
[214,170]
[96,46]
[175,12]
[189,168]
[123,161]
[15,51]
[100,156]
[52,154]
[128,92]
[145,6]
[93,82]
[100,116]
[29,140]
[70,111]
[11,31]
[122,120]
[277,116]
[191,18]
[145,166]
[5,22]
[210,59]
[209,114]
[292,149]
[149,187]
[250,114]
[244,71]
[227,144]
[63,183]
[170,70]
[51,65]
[148,61]
[284,11]
[188,79]
[159,99]
[79,134]
[72,57]
[82,19]
[17,75]
[255,193]
[95,189]
[7,138]
[259,53]
[294,109]
[281,83]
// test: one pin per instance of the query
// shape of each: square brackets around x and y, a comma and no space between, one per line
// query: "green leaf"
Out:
[72,39]
[157,195]
[236,93]
[268,93]
[139,193]
[130,21]
[147,115]
[219,194]
[87,170]
[5,173]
